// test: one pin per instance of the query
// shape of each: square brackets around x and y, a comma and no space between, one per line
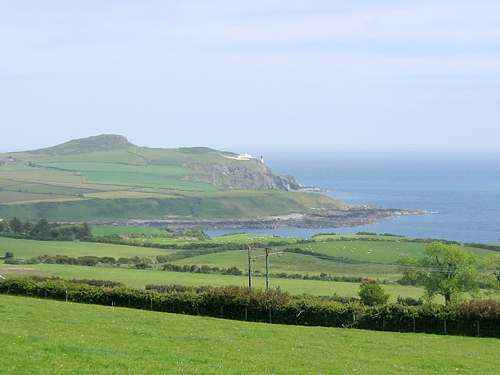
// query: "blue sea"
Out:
[461,189]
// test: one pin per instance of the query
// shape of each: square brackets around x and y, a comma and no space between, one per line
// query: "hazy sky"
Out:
[250,75]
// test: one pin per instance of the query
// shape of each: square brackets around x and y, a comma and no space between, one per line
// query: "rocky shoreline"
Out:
[350,216]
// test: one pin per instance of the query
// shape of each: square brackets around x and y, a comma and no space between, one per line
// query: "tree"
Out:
[444,270]
[492,263]
[84,231]
[9,255]
[26,227]
[371,293]
[42,229]
[16,225]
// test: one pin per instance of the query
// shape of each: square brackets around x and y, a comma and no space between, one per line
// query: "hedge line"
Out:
[473,318]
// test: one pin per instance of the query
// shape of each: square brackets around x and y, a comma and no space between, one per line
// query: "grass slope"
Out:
[191,206]
[47,337]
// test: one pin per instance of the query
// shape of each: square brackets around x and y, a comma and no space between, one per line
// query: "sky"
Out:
[254,75]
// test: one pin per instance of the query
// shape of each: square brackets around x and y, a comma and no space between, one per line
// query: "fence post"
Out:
[445,327]
[478,335]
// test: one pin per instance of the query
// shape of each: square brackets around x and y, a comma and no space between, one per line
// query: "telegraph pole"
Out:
[267,255]
[249,267]
[267,268]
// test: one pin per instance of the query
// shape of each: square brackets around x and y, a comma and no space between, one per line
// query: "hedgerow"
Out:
[471,318]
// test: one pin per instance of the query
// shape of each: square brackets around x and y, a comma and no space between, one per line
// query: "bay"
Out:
[462,189]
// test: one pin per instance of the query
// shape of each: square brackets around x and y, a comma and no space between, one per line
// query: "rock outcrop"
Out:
[253,175]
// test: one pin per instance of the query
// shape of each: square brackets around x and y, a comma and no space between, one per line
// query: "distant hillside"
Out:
[107,177]
[97,143]
[209,166]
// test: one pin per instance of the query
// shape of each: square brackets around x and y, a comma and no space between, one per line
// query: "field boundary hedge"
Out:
[472,318]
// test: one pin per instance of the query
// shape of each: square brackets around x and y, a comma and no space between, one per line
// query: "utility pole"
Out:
[249,266]
[267,255]
[267,268]
[278,253]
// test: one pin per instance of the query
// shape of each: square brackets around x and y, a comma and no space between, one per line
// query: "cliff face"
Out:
[252,176]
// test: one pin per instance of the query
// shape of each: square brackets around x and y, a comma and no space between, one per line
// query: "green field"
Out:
[141,278]
[373,251]
[47,337]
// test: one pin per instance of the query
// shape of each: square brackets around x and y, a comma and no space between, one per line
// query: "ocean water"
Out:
[461,189]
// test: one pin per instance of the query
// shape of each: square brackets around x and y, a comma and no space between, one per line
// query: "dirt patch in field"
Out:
[19,271]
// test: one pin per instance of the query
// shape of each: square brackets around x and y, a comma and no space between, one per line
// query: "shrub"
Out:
[12,261]
[371,293]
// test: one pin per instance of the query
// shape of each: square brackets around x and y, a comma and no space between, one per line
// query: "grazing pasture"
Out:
[47,337]
[30,248]
[139,278]
[311,271]
[380,249]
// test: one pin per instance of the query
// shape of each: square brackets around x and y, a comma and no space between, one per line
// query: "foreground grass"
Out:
[47,337]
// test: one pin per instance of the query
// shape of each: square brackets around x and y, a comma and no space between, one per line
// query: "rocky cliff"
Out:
[252,175]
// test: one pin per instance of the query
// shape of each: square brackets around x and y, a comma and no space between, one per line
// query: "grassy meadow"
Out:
[47,337]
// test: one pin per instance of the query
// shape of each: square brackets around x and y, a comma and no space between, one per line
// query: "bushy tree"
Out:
[27,227]
[491,268]
[444,270]
[16,225]
[41,229]
[371,293]
[84,231]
